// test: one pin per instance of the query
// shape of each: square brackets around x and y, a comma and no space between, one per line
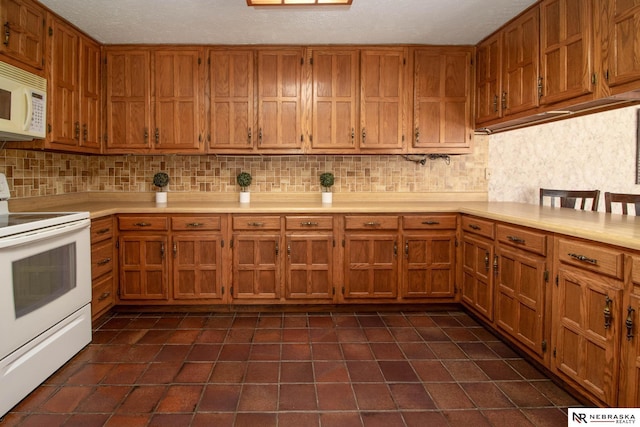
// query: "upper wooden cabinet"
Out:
[566,68]
[520,60]
[624,41]
[334,98]
[231,119]
[24,31]
[74,90]
[280,99]
[166,116]
[489,79]
[442,100]
[382,99]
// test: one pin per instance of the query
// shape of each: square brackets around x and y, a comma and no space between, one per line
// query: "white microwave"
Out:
[23,104]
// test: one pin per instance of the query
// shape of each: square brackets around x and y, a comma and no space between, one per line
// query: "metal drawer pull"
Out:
[431,222]
[104,296]
[103,230]
[474,227]
[486,261]
[371,224]
[104,261]
[255,224]
[583,258]
[142,224]
[607,312]
[516,239]
[309,224]
[629,323]
[195,224]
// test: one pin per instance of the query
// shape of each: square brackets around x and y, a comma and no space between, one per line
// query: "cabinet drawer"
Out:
[527,240]
[256,223]
[478,226]
[101,229]
[182,223]
[101,259]
[143,223]
[429,222]
[369,222]
[309,222]
[591,257]
[102,295]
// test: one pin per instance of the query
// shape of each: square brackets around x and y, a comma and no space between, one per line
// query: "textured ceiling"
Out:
[233,22]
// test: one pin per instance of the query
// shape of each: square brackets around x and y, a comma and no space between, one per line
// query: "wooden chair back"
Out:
[624,199]
[568,198]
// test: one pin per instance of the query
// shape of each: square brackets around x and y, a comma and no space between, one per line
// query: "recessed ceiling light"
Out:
[298,2]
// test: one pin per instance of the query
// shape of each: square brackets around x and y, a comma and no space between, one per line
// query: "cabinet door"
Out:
[586,325]
[90,85]
[442,101]
[520,63]
[24,36]
[63,100]
[256,266]
[143,267]
[520,297]
[371,266]
[279,99]
[489,79]
[128,105]
[565,49]
[232,97]
[428,270]
[334,114]
[197,266]
[309,266]
[382,103]
[178,103]
[477,274]
[624,41]
[630,372]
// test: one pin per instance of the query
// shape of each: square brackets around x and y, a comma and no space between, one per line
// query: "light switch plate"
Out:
[4,188]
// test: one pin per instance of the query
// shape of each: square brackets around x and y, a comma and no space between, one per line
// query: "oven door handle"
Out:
[43,233]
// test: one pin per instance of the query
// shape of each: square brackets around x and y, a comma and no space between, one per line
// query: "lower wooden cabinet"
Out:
[143,267]
[102,266]
[370,257]
[630,356]
[479,266]
[587,318]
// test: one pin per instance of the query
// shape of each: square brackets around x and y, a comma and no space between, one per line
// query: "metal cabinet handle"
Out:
[474,227]
[629,323]
[175,250]
[162,250]
[364,135]
[260,136]
[406,250]
[289,249]
[142,224]
[104,261]
[395,249]
[7,33]
[607,312]
[371,224]
[417,135]
[495,103]
[309,224]
[583,258]
[516,239]
[77,130]
[157,135]
[504,100]
[495,265]
[353,135]
[146,135]
[255,224]
[539,87]
[486,261]
[195,224]
[103,230]
[431,222]
[277,249]
[104,296]
[249,136]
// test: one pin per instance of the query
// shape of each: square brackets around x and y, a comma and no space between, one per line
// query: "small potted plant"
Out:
[326,181]
[161,180]
[244,181]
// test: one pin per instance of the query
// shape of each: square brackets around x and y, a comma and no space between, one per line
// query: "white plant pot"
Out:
[327,198]
[161,197]
[245,197]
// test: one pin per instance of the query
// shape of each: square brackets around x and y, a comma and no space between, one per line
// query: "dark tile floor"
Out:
[294,369]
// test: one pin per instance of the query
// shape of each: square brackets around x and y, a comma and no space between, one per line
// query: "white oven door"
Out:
[45,275]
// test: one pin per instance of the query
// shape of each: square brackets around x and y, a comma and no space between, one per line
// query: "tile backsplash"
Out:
[37,173]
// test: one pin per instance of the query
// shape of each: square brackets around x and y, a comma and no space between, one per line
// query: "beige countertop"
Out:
[601,227]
